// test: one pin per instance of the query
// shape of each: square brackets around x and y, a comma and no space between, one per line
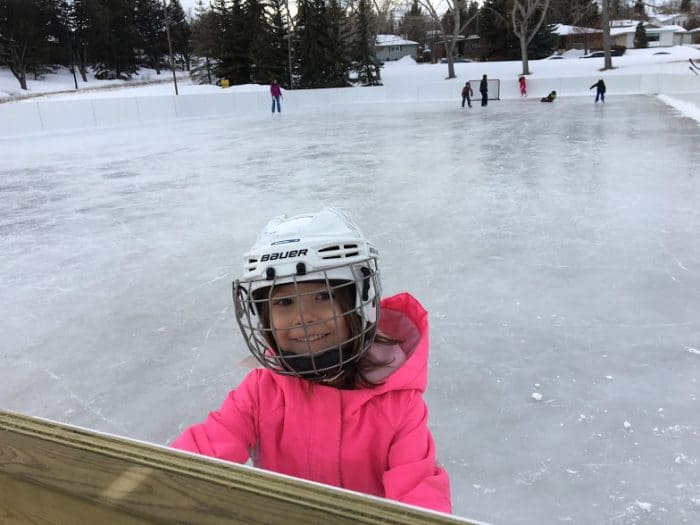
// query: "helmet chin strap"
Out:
[328,361]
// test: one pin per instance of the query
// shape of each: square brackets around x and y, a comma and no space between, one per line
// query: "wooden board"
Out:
[51,473]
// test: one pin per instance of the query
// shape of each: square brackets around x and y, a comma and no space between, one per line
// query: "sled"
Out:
[60,474]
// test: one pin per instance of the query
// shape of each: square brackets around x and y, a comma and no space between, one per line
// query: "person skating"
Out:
[467,93]
[276,93]
[523,86]
[599,91]
[484,90]
[337,395]
[549,98]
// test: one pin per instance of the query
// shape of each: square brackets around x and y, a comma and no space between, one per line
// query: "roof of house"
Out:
[393,40]
[649,28]
[563,30]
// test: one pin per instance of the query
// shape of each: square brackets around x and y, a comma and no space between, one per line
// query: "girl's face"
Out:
[307,319]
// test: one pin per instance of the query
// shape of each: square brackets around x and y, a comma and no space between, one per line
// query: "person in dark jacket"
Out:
[549,98]
[600,90]
[484,90]
[467,93]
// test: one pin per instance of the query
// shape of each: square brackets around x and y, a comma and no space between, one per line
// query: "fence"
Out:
[61,475]
[30,117]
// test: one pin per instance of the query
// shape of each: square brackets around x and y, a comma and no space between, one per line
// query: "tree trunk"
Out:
[82,64]
[523,53]
[604,15]
[450,59]
[208,70]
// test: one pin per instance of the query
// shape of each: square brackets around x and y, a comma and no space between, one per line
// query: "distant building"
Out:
[392,47]
[575,37]
[657,35]
[695,35]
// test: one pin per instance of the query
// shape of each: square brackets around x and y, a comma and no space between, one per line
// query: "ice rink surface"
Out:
[556,247]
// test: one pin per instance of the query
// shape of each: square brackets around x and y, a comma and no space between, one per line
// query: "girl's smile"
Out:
[306,318]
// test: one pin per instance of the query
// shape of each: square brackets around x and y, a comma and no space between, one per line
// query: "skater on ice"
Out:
[484,90]
[523,86]
[337,395]
[276,93]
[599,90]
[467,94]
[549,98]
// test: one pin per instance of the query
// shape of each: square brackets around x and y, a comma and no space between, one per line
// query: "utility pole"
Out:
[170,45]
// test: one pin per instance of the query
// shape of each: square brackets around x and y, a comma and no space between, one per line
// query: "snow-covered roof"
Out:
[668,18]
[394,40]
[563,29]
[649,28]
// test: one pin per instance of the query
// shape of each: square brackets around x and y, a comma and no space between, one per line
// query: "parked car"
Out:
[601,54]
[456,59]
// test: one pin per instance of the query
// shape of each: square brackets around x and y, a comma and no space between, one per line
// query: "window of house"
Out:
[653,37]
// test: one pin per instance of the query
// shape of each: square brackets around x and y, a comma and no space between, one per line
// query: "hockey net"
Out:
[494,85]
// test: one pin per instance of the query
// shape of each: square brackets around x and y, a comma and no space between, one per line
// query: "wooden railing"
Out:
[52,473]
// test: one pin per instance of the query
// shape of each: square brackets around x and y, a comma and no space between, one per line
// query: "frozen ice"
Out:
[552,244]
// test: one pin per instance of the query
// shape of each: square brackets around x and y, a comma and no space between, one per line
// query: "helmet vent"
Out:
[252,265]
[339,251]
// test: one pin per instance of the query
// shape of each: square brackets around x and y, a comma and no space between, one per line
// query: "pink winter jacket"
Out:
[275,90]
[371,440]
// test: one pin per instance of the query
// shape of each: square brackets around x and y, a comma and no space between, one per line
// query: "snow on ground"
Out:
[401,73]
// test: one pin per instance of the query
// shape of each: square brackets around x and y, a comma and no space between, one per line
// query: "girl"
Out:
[276,94]
[523,86]
[338,398]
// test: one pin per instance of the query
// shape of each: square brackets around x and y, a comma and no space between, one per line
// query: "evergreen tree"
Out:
[310,39]
[24,36]
[231,50]
[337,56]
[78,25]
[150,27]
[114,39]
[204,44]
[364,58]
[640,36]
[414,24]
[269,48]
[180,33]
[686,6]
[240,68]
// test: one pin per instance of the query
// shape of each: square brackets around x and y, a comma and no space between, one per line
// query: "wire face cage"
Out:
[311,325]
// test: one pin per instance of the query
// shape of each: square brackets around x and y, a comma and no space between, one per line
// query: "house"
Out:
[695,35]
[392,47]
[575,37]
[677,19]
[657,35]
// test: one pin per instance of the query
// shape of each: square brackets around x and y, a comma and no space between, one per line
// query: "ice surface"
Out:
[556,247]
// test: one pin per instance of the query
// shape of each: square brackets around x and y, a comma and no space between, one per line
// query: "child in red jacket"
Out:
[338,397]
[523,86]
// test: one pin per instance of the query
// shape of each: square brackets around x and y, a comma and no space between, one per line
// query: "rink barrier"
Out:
[60,474]
[40,116]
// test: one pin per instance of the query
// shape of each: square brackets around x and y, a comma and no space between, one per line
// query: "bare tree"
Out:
[605,21]
[527,17]
[449,34]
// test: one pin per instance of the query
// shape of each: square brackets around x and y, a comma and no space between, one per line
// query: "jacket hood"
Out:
[402,317]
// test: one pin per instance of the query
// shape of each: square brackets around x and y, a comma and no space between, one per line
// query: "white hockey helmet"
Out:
[325,247]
